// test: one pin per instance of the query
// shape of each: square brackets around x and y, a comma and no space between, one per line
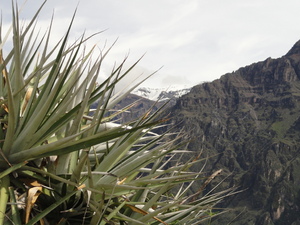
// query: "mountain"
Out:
[162,94]
[248,124]
[144,98]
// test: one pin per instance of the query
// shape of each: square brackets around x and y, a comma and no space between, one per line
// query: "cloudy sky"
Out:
[194,40]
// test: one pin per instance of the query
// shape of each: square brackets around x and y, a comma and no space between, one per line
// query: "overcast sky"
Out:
[194,40]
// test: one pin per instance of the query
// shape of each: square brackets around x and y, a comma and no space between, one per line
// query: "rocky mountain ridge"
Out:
[250,121]
[145,98]
[162,94]
[247,123]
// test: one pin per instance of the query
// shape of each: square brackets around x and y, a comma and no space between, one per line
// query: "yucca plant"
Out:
[62,162]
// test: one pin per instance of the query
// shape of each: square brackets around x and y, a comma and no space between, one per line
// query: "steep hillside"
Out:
[249,122]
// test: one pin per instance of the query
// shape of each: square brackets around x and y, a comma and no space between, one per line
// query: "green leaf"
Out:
[12,169]
[4,195]
[16,218]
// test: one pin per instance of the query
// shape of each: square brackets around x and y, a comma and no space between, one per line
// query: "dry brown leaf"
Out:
[81,187]
[208,180]
[32,196]
[32,183]
[27,97]
[122,181]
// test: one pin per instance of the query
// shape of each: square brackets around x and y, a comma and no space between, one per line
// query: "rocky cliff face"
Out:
[249,121]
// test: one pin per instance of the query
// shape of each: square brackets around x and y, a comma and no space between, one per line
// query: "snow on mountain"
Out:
[161,94]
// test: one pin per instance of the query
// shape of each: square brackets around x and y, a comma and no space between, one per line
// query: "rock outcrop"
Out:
[248,123]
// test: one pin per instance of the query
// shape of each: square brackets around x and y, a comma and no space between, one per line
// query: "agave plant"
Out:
[62,162]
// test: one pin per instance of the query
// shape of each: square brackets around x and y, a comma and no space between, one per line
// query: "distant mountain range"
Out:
[161,94]
[145,98]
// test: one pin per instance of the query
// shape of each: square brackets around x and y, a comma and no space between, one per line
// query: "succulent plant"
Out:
[62,162]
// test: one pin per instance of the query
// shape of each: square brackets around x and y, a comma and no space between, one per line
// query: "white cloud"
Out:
[198,39]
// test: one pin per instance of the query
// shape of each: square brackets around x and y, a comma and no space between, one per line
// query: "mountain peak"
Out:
[161,94]
[295,49]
